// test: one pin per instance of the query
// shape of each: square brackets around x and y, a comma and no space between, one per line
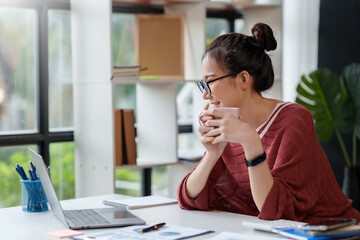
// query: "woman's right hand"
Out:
[213,149]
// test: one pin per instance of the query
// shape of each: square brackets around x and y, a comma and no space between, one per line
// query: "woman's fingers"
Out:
[207,105]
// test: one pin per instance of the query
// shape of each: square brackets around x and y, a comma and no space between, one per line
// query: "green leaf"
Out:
[351,78]
[325,95]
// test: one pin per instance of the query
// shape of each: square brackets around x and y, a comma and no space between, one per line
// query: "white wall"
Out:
[273,17]
[300,42]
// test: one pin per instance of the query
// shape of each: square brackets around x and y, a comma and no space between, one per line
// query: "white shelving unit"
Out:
[157,123]
[157,127]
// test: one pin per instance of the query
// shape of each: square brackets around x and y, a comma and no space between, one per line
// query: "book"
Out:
[344,232]
[119,71]
[127,70]
[129,136]
[140,202]
[119,137]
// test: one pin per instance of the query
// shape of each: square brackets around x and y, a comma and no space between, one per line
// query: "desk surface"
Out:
[16,224]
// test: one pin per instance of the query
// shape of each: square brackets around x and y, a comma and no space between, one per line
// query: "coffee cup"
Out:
[231,110]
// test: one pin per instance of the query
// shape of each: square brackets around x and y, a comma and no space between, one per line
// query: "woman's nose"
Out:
[206,95]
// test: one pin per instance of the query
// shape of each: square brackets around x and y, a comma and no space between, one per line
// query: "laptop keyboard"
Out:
[85,217]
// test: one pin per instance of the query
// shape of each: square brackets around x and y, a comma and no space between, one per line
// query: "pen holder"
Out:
[33,196]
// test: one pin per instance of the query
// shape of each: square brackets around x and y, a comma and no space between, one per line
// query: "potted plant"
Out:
[334,102]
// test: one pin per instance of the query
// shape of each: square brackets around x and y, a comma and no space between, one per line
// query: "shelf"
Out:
[226,5]
[239,6]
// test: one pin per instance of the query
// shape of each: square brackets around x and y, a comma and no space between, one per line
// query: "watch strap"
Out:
[255,161]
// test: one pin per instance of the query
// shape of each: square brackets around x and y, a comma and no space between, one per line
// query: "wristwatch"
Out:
[255,161]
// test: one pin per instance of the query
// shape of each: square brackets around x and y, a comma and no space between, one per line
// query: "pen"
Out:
[31,174]
[21,172]
[152,228]
[33,170]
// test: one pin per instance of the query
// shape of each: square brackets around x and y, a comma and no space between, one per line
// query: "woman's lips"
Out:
[215,104]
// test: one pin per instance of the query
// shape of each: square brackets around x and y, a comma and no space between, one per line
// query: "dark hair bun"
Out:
[264,36]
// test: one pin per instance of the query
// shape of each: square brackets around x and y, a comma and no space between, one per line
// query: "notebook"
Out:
[140,202]
[340,233]
[82,218]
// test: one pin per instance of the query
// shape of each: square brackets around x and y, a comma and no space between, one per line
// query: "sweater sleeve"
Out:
[201,202]
[295,161]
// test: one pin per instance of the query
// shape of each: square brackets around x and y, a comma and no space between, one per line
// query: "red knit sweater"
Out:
[304,189]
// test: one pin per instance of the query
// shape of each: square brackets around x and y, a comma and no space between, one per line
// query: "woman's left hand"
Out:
[226,127]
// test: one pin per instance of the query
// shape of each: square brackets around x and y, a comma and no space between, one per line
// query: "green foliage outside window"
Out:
[62,171]
[10,194]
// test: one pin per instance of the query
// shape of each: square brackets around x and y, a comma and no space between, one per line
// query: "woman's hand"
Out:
[225,127]
[207,140]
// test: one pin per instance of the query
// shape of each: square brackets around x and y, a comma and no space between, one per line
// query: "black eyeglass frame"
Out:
[204,85]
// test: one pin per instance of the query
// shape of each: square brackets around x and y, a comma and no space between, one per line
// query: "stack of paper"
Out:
[127,72]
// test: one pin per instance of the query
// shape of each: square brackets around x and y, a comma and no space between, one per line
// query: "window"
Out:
[215,27]
[17,70]
[36,107]
[60,70]
[221,22]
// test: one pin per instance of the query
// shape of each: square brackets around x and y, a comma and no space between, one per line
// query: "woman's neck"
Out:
[257,109]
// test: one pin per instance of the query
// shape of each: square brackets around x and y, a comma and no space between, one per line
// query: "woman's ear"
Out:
[244,79]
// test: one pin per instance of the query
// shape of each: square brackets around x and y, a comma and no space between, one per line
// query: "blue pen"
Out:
[31,173]
[33,168]
[34,174]
[22,172]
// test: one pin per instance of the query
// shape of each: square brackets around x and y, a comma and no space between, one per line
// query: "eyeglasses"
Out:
[203,85]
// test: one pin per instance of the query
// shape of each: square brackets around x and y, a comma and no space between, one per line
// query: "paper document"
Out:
[140,202]
[129,233]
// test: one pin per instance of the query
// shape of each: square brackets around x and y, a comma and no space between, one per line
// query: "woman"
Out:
[268,163]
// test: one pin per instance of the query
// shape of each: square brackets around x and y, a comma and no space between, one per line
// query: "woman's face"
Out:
[223,91]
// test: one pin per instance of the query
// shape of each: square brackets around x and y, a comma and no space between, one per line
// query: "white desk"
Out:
[19,225]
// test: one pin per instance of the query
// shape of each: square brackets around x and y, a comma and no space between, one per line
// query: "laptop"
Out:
[82,218]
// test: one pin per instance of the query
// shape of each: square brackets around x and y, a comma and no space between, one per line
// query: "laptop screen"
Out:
[48,187]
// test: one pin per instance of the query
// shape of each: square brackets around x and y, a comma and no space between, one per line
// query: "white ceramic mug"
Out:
[231,110]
